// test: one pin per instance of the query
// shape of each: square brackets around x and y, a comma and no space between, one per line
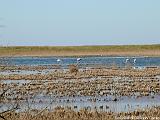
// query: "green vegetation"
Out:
[58,50]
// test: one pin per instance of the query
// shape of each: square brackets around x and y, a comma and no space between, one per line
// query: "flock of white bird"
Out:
[134,60]
[79,59]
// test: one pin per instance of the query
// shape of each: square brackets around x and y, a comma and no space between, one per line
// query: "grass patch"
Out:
[53,50]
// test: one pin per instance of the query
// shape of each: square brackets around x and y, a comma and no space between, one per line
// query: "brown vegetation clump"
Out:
[73,68]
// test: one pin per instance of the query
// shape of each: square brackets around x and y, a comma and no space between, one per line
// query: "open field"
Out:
[123,50]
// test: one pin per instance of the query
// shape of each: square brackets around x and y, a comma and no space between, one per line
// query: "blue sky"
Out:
[79,22]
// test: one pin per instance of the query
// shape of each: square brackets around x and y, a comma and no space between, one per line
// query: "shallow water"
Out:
[124,104]
[19,82]
[26,72]
[86,61]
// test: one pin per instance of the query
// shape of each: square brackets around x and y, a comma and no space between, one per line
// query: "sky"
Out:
[79,22]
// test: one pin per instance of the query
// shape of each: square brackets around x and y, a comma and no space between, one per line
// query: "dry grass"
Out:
[105,72]
[68,114]
[132,50]
[128,83]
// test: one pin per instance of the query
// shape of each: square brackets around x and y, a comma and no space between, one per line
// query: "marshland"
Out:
[79,87]
[79,60]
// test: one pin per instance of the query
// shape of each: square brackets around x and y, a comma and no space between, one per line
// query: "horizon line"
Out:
[75,45]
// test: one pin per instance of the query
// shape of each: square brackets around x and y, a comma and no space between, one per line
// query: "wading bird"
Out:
[134,61]
[127,60]
[78,59]
[58,60]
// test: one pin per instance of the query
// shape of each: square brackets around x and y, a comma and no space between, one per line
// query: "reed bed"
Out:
[69,114]
[151,50]
[102,72]
[114,81]
[94,82]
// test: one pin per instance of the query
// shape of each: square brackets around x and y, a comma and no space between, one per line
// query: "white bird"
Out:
[127,60]
[78,59]
[58,60]
[134,60]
